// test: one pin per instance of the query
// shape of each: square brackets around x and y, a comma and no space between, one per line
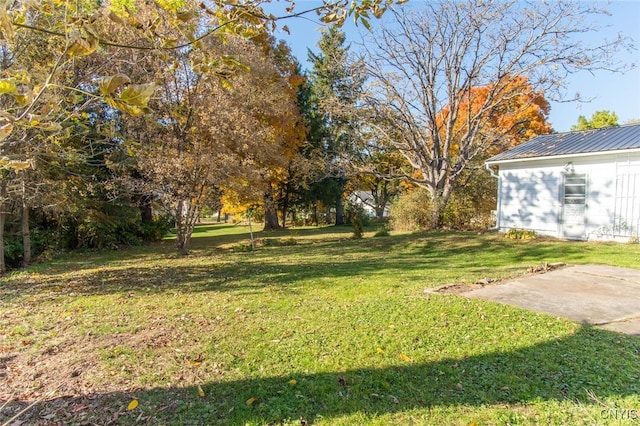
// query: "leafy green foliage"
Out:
[521,234]
[13,251]
[157,229]
[106,225]
[598,120]
[279,242]
[470,207]
[411,211]
[357,217]
[336,89]
[382,232]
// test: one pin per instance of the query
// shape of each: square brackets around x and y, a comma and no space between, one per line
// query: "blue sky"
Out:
[614,92]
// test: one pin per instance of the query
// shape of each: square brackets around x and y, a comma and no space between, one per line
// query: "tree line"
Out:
[120,119]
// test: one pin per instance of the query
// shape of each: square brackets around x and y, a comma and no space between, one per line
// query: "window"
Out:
[575,189]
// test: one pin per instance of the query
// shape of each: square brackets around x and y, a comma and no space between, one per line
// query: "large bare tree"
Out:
[428,65]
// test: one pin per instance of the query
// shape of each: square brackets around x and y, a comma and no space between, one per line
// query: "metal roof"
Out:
[586,141]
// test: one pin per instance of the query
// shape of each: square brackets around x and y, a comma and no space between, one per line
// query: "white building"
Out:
[368,203]
[578,185]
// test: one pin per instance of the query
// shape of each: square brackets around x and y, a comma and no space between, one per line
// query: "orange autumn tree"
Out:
[521,115]
[449,82]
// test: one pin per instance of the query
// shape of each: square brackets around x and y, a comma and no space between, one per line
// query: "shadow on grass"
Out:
[592,360]
[334,257]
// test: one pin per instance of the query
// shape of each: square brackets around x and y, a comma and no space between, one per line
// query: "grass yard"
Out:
[312,328]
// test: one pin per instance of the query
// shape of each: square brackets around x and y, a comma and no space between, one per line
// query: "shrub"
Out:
[411,212]
[459,212]
[357,217]
[13,251]
[243,247]
[358,229]
[279,242]
[157,229]
[255,215]
[105,225]
[109,226]
[470,206]
[382,232]
[521,234]
[13,248]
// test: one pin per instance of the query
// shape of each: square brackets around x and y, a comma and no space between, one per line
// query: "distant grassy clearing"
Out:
[324,328]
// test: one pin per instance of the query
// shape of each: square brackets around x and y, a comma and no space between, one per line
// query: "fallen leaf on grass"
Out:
[196,362]
[132,405]
[251,400]
[292,382]
[380,351]
[404,357]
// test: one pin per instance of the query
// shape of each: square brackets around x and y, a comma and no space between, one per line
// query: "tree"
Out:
[265,99]
[48,89]
[598,120]
[287,128]
[427,66]
[77,29]
[40,126]
[337,88]
[309,186]
[378,163]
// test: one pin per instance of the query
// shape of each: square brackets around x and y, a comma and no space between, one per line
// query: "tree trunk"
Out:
[380,196]
[26,234]
[440,199]
[436,215]
[182,242]
[24,224]
[285,207]
[340,210]
[286,198]
[270,212]
[146,212]
[3,267]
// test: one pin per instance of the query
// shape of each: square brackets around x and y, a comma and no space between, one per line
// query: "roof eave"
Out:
[545,157]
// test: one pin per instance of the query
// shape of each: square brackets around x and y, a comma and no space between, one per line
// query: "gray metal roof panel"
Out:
[586,141]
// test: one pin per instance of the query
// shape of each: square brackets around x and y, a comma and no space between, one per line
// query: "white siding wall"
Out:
[530,195]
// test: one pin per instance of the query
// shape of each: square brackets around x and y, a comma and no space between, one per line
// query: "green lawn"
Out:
[312,328]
